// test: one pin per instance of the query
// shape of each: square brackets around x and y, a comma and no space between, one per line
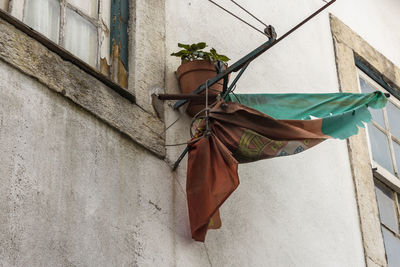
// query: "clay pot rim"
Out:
[197,65]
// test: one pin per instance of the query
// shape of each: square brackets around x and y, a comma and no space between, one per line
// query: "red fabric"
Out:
[211,177]
[239,134]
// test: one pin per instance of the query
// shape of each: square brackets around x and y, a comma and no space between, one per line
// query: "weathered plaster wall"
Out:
[75,192]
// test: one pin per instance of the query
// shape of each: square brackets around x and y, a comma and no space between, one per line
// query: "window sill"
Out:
[385,176]
[36,56]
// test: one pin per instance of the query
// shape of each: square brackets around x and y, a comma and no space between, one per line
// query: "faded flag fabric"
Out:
[261,127]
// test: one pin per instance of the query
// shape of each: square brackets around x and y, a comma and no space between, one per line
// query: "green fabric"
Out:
[341,113]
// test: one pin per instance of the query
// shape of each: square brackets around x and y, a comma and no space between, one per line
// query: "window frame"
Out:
[102,23]
[380,172]
[395,197]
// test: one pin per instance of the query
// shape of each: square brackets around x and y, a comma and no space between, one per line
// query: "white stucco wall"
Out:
[75,192]
[300,210]
[375,21]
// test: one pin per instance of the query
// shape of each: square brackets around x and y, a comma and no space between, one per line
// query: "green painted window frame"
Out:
[119,29]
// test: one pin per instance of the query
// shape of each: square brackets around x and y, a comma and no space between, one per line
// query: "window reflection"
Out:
[393,113]
[81,37]
[44,17]
[380,148]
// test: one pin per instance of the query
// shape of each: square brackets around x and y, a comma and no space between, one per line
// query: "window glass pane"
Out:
[387,208]
[4,4]
[44,17]
[380,148]
[377,114]
[81,37]
[394,119]
[87,6]
[366,87]
[392,247]
[397,156]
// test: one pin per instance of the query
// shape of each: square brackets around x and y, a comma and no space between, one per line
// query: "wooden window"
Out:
[384,131]
[96,31]
[388,204]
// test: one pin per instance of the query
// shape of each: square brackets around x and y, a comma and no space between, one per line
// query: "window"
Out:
[384,141]
[81,27]
[388,203]
[93,30]
[384,131]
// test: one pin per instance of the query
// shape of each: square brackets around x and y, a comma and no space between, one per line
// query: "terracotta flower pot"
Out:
[192,74]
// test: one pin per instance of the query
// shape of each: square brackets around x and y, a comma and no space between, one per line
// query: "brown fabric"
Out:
[239,134]
[211,178]
[263,124]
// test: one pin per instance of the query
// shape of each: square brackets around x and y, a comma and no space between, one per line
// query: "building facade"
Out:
[86,163]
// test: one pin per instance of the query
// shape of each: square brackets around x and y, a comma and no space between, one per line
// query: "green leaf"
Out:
[201,45]
[194,51]
[223,58]
[193,47]
[180,53]
[207,56]
[186,46]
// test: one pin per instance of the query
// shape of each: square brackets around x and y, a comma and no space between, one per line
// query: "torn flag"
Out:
[246,128]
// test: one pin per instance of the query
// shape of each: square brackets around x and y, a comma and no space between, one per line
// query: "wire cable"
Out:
[237,17]
[245,10]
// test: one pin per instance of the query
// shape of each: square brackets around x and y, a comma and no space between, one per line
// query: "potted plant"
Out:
[196,68]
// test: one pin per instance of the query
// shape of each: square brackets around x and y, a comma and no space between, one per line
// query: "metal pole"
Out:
[303,22]
[180,158]
[185,96]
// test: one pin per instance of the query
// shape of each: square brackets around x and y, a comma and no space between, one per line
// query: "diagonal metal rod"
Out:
[242,20]
[303,22]
[235,80]
[176,164]
[245,10]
